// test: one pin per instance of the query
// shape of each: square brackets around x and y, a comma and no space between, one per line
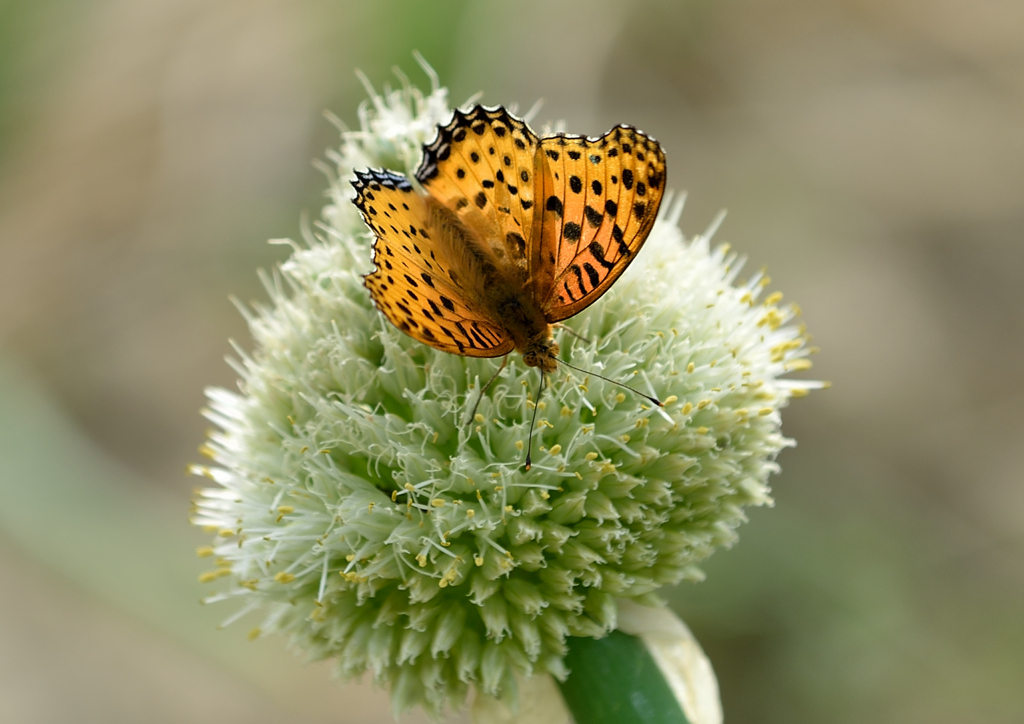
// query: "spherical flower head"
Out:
[355,506]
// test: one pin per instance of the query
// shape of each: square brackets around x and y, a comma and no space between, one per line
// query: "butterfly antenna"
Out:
[484,390]
[573,332]
[655,400]
[533,422]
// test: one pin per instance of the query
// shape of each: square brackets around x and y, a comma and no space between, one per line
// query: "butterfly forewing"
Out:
[598,200]
[481,166]
[415,283]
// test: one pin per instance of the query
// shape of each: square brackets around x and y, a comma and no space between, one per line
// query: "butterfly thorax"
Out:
[512,305]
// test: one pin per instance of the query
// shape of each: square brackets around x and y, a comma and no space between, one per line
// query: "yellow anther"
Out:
[545,494]
[285,509]
[565,412]
[350,557]
[642,422]
[508,508]
[284,577]
[530,404]
[479,418]
[702,430]
[742,412]
[799,392]
[773,299]
[204,552]
[422,560]
[624,438]
[555,449]
[620,397]
[305,448]
[691,367]
[253,634]
[798,365]
[470,513]
[437,503]
[225,533]
[479,560]
[209,576]
[765,411]
[591,456]
[410,487]
[670,399]
[747,298]
[325,451]
[765,280]
[702,404]
[687,408]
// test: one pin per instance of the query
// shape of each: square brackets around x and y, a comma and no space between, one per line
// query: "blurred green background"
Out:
[870,152]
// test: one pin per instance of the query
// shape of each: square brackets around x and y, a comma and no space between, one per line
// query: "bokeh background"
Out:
[870,153]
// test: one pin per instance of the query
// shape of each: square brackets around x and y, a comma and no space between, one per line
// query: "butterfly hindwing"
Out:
[414,284]
[598,200]
[481,166]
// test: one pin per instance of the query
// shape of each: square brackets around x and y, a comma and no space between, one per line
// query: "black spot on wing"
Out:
[597,251]
[554,204]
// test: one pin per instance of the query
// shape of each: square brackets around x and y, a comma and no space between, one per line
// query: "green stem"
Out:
[614,680]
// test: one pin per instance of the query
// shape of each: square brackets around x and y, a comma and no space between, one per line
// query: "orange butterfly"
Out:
[514,234]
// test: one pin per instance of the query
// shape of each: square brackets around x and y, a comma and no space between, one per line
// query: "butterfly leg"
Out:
[533,422]
[483,392]
[570,330]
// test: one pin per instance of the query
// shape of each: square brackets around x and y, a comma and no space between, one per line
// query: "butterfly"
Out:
[511,233]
